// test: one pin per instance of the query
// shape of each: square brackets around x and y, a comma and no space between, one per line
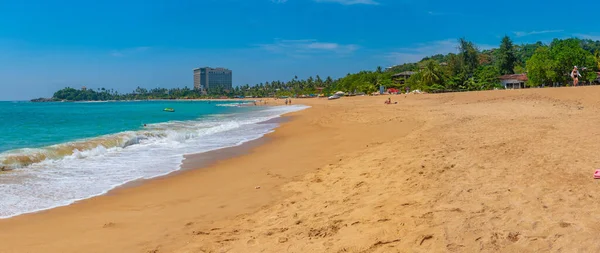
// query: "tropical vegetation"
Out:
[469,69]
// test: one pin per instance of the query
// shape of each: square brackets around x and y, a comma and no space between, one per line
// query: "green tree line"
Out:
[468,69]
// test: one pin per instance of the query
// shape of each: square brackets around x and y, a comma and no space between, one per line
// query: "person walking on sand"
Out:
[575,75]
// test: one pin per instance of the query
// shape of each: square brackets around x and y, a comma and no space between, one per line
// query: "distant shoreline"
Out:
[138,100]
[177,99]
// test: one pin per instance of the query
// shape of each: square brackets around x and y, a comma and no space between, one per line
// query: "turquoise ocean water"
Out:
[29,125]
[58,153]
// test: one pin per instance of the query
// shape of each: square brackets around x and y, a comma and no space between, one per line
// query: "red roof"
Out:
[519,77]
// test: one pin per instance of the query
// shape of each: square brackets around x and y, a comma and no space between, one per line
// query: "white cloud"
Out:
[349,2]
[128,51]
[307,47]
[420,51]
[522,34]
[588,36]
[279,1]
[324,46]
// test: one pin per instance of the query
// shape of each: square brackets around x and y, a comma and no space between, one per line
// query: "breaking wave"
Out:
[41,178]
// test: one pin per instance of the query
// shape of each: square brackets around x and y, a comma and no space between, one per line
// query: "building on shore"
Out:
[212,78]
[402,76]
[514,81]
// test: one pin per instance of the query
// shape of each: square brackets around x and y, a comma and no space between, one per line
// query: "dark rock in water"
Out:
[43,100]
[5,168]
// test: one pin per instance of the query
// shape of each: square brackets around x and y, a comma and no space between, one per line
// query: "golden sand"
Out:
[507,171]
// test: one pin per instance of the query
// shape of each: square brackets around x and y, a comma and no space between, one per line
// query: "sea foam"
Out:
[62,174]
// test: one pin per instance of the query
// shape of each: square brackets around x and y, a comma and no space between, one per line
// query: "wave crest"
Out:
[168,132]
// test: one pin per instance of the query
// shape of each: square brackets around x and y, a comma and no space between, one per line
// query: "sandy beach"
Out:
[493,171]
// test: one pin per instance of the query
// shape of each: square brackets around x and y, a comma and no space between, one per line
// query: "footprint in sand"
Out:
[109,225]
[425,238]
[513,236]
[564,224]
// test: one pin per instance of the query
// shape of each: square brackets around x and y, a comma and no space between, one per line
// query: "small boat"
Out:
[333,97]
[169,110]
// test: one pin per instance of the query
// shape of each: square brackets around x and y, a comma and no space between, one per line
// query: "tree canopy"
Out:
[467,69]
[506,56]
[553,64]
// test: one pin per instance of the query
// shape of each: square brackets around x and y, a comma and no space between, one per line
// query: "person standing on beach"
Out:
[575,75]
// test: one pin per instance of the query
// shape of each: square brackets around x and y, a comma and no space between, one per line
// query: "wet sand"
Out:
[496,171]
[198,161]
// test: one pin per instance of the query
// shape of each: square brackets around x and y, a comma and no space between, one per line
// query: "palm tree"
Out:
[431,74]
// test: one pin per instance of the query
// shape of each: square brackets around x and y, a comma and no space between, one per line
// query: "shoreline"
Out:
[198,161]
[188,162]
[176,99]
[433,173]
[162,100]
[146,192]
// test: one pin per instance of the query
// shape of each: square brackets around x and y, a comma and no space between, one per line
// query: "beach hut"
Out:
[514,81]
[402,76]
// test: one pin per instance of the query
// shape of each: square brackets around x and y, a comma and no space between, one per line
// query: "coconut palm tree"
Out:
[431,74]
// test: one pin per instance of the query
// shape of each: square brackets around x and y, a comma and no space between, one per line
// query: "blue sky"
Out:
[46,45]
